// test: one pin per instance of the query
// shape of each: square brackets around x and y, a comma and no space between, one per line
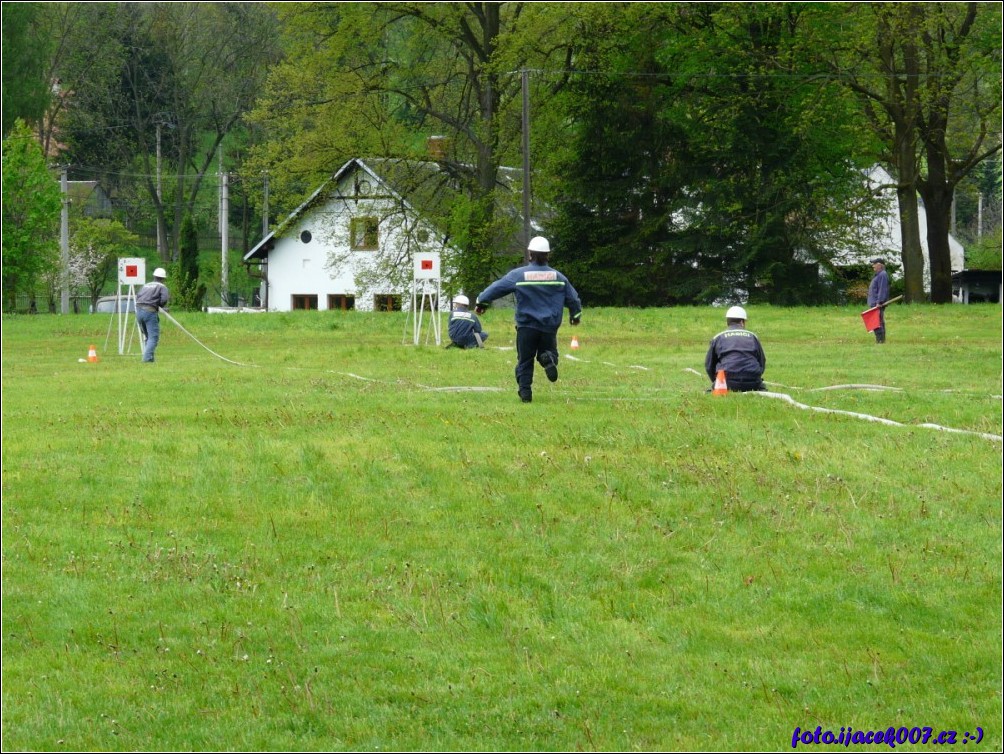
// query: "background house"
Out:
[884,236]
[88,199]
[351,244]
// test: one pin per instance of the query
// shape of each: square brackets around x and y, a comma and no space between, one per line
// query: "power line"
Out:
[815,75]
[102,171]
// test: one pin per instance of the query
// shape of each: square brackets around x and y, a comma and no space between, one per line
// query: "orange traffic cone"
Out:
[92,355]
[721,387]
[575,341]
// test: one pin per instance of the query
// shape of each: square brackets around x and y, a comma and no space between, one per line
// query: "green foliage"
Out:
[188,293]
[95,247]
[987,253]
[708,164]
[31,206]
[26,88]
[186,72]
[356,544]
[483,232]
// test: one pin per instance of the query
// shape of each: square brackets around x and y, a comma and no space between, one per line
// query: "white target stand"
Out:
[426,288]
[132,272]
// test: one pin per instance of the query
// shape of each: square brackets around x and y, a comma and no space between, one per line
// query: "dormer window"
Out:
[364,233]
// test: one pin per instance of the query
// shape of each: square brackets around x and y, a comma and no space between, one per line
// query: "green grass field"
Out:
[353,543]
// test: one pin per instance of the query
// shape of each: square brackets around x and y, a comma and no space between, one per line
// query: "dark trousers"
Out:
[532,345]
[744,382]
[880,330]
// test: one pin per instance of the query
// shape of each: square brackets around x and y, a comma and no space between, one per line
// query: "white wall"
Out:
[326,265]
[888,240]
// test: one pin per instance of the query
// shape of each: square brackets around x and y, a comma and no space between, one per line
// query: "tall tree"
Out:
[188,291]
[383,76]
[212,57]
[84,64]
[928,78]
[26,86]
[185,75]
[961,109]
[31,207]
[710,161]
[877,59]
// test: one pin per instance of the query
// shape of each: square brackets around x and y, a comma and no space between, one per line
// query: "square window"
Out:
[304,301]
[364,233]
[387,302]
[341,302]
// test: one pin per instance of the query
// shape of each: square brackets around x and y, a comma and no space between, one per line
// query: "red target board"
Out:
[427,266]
[132,271]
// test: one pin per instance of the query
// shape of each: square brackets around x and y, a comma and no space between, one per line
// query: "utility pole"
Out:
[225,241]
[64,242]
[525,85]
[979,217]
[219,173]
[264,209]
[160,205]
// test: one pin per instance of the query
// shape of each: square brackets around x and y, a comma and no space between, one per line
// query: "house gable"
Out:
[350,244]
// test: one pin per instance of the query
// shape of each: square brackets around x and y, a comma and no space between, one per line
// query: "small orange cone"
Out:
[721,387]
[92,355]
[575,341]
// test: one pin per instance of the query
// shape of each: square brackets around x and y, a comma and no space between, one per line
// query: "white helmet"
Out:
[461,300]
[539,243]
[736,312]
[161,273]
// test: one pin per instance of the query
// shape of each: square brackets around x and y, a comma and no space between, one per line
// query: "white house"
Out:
[351,244]
[883,238]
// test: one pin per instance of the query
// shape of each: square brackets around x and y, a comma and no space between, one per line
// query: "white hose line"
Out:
[867,417]
[766,394]
[222,358]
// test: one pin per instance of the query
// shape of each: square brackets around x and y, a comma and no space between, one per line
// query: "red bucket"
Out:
[872,318]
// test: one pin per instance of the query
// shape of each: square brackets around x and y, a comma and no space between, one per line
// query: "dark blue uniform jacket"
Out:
[737,351]
[541,294]
[463,325]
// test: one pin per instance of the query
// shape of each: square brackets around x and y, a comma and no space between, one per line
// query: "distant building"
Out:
[350,245]
[88,199]
[884,238]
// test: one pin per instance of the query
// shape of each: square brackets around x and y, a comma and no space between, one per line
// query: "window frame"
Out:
[387,302]
[364,233]
[341,302]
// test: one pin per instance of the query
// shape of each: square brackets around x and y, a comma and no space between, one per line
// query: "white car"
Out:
[106,305]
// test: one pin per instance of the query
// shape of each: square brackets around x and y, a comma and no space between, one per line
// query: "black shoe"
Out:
[550,366]
[526,396]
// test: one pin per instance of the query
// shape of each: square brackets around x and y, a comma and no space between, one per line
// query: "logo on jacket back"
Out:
[546,275]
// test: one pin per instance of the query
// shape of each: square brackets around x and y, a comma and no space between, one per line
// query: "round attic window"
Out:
[305,236]
[364,188]
[422,235]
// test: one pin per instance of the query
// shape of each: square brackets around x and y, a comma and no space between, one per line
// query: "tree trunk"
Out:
[937,193]
[909,224]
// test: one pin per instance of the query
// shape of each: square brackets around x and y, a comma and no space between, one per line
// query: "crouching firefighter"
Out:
[465,327]
[737,351]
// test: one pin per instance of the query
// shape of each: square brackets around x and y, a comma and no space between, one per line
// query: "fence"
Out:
[43,303]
